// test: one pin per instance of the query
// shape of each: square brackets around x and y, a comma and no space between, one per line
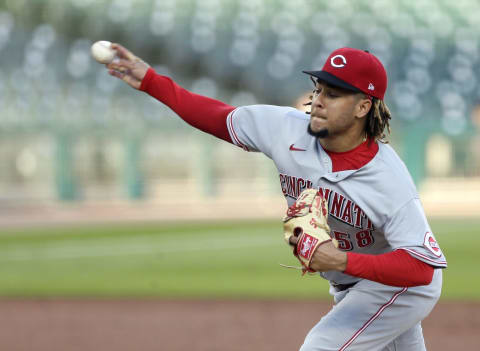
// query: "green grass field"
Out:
[190,260]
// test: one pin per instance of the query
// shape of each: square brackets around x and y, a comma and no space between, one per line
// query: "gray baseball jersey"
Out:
[374,209]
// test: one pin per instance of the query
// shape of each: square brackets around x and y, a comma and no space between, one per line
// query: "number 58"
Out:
[363,238]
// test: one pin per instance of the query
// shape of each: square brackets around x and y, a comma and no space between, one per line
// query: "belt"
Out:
[342,287]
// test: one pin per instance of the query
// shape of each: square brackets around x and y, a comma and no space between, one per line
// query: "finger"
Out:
[120,65]
[116,73]
[134,83]
[293,240]
[119,69]
[123,52]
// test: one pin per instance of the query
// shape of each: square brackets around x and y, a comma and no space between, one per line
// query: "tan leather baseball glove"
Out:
[306,219]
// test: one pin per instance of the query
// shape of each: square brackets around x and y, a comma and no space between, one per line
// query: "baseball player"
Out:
[386,274]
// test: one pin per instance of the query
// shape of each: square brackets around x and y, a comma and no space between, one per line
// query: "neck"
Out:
[341,143]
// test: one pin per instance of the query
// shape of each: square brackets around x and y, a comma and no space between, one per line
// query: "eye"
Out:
[317,90]
[331,94]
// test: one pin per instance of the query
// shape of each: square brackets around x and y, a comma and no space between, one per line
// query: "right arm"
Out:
[201,112]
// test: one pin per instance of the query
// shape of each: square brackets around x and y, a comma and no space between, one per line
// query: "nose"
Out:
[317,100]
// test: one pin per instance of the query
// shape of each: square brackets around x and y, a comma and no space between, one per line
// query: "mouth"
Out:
[318,122]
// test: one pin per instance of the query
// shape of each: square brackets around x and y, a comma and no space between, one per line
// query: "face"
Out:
[334,111]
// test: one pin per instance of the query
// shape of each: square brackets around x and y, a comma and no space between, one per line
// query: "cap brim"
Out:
[332,80]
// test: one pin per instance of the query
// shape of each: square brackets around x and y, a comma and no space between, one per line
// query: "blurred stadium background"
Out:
[104,192]
[76,143]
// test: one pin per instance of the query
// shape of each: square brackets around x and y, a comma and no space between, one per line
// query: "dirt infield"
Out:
[83,325]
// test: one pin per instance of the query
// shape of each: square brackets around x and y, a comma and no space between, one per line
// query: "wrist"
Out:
[328,258]
[146,79]
[342,260]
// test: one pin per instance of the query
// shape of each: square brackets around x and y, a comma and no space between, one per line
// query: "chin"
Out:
[321,133]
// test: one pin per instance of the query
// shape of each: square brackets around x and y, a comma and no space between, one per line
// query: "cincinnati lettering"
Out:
[340,207]
[293,186]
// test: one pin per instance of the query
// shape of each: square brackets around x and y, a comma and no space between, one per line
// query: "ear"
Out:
[363,106]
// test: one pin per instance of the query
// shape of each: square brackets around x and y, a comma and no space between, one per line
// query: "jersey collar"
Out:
[355,158]
[348,162]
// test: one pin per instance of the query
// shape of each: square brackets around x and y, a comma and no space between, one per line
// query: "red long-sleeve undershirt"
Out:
[396,268]
[206,114]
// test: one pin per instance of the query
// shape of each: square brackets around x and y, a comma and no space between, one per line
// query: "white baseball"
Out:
[102,51]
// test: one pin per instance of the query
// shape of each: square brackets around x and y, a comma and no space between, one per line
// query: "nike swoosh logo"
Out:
[292,148]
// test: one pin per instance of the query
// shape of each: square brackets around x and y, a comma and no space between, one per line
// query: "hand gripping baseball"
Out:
[128,67]
[305,226]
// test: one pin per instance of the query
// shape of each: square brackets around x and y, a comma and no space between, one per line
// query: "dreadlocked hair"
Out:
[378,119]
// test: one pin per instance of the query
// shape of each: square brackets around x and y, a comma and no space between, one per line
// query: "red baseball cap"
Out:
[355,70]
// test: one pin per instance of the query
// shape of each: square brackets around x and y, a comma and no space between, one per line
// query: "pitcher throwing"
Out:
[385,270]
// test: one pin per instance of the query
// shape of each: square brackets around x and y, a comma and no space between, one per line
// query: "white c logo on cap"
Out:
[332,61]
